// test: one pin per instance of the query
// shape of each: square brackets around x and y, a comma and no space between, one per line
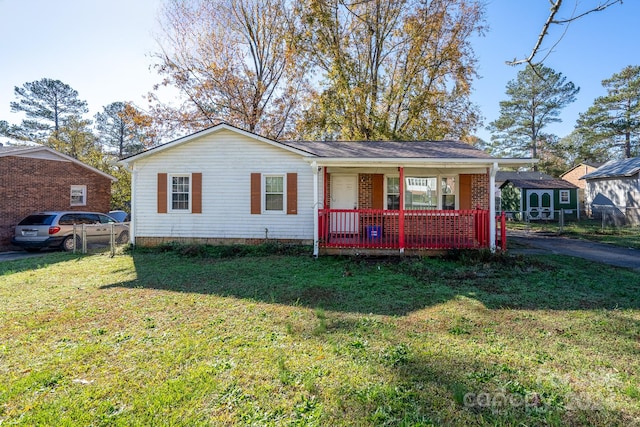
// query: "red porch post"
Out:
[401,207]
[503,231]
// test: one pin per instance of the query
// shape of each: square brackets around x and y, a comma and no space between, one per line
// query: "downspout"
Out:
[132,225]
[492,206]
[314,168]
[325,188]
[401,218]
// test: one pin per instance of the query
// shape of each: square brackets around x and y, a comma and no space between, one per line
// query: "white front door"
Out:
[344,195]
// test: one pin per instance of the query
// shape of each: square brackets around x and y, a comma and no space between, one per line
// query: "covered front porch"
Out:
[411,230]
[407,209]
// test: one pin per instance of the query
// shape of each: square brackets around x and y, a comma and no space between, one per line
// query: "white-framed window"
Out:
[448,191]
[420,192]
[78,195]
[565,196]
[393,192]
[180,192]
[274,193]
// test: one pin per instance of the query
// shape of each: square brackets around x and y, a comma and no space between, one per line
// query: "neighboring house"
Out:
[614,189]
[226,185]
[545,199]
[39,178]
[574,176]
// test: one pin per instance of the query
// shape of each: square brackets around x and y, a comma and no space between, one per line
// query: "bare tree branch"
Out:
[598,8]
[555,7]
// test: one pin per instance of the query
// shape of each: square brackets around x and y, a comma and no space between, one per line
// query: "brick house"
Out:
[574,176]
[39,178]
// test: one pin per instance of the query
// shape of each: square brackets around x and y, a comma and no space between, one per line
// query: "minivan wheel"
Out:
[123,238]
[67,243]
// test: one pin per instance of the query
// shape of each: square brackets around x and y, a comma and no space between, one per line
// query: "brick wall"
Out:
[29,185]
[480,191]
[575,175]
[574,178]
[365,191]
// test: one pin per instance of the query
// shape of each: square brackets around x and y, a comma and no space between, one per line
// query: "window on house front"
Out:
[420,193]
[393,193]
[78,195]
[274,193]
[564,196]
[180,192]
[448,190]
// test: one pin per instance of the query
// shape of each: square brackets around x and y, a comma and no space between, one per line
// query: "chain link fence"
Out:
[98,238]
[556,221]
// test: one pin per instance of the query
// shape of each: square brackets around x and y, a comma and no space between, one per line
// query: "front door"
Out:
[344,195]
[465,192]
[540,204]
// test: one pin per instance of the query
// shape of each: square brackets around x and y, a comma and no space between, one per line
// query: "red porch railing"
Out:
[501,231]
[422,229]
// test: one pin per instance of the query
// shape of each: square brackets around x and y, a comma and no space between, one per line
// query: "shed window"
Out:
[565,196]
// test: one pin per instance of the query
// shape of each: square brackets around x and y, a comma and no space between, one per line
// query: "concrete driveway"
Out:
[598,252]
[12,255]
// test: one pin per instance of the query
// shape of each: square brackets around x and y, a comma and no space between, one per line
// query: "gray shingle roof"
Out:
[390,149]
[540,183]
[503,176]
[616,168]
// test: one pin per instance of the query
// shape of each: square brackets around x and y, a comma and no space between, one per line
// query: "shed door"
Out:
[540,204]
[344,195]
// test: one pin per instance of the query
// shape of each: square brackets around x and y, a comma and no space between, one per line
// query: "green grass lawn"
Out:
[216,337]
[627,236]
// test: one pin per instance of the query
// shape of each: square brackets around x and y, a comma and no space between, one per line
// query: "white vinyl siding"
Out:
[619,190]
[226,160]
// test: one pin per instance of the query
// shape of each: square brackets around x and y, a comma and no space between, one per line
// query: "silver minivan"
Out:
[56,229]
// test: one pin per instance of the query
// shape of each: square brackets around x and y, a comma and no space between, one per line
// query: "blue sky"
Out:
[594,47]
[102,49]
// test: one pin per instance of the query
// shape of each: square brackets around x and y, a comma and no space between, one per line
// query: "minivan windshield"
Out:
[41,219]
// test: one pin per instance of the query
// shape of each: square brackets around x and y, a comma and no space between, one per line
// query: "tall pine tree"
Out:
[613,121]
[47,103]
[536,98]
